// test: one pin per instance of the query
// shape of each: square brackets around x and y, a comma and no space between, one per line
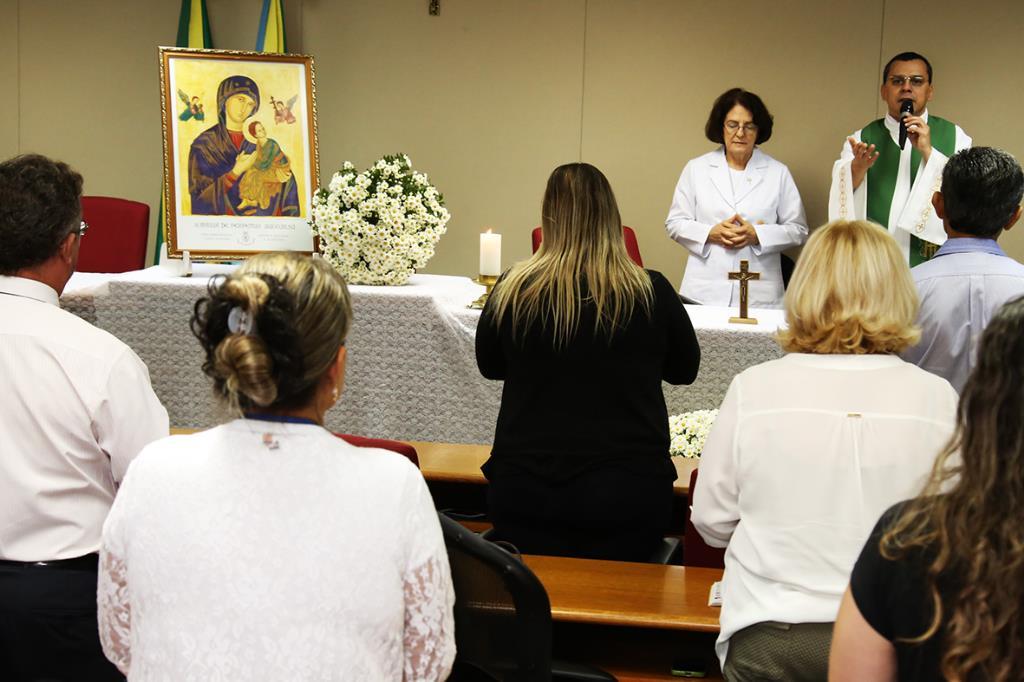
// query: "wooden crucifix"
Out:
[744,276]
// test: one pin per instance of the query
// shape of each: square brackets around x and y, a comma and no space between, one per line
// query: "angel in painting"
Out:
[193,107]
[283,112]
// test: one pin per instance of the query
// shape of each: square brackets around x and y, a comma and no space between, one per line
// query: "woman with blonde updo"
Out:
[809,450]
[267,548]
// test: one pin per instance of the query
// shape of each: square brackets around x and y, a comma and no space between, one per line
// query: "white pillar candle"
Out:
[490,253]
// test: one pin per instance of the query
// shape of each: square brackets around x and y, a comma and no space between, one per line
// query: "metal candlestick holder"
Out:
[487,281]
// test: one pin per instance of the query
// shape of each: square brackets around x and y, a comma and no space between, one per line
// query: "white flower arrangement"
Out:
[688,431]
[381,225]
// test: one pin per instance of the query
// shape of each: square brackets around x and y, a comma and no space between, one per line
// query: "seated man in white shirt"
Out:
[78,406]
[970,277]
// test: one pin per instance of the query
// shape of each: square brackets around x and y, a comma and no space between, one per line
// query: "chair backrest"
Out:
[116,240]
[401,448]
[696,552]
[787,265]
[632,247]
[502,612]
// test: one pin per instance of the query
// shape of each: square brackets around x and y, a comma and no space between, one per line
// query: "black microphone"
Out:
[906,108]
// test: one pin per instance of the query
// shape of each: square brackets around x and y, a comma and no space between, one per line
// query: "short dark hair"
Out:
[40,204]
[981,189]
[749,101]
[906,57]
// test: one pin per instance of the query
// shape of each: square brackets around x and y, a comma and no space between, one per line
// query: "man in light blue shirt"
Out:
[970,277]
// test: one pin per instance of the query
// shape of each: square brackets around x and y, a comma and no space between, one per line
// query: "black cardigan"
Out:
[598,400]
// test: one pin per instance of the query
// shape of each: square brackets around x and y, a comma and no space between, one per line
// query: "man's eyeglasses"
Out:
[735,125]
[82,228]
[915,81]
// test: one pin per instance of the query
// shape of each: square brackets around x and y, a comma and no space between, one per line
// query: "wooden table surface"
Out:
[460,463]
[628,594]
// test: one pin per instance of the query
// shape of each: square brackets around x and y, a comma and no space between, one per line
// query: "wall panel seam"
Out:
[583,77]
[881,56]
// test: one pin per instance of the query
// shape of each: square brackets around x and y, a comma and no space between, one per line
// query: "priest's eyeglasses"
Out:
[735,125]
[915,81]
[83,227]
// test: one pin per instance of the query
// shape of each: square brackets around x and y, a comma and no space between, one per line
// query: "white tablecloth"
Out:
[411,368]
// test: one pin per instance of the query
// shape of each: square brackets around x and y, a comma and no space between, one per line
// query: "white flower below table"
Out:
[688,432]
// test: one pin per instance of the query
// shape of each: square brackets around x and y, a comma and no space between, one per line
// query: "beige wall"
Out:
[9,81]
[491,95]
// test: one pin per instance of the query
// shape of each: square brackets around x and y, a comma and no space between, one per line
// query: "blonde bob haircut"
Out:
[582,241]
[851,293]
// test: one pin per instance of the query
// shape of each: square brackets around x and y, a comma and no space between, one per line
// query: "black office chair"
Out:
[787,264]
[502,615]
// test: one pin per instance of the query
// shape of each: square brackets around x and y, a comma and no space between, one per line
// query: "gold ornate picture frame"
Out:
[240,152]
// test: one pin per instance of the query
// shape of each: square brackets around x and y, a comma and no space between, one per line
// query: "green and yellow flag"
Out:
[270,34]
[193,31]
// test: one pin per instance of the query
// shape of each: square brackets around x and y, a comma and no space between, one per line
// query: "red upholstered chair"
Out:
[632,248]
[116,240]
[696,552]
[404,449]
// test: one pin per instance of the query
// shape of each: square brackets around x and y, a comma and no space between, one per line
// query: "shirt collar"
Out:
[894,125]
[849,361]
[970,245]
[28,288]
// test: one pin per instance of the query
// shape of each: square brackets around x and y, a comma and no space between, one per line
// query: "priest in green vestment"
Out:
[875,179]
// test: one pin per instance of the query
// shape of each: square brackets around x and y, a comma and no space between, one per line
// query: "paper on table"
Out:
[715,594]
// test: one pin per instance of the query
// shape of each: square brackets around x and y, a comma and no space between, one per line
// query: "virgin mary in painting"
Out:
[221,156]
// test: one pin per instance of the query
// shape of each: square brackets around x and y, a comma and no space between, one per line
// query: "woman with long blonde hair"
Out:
[938,588]
[583,338]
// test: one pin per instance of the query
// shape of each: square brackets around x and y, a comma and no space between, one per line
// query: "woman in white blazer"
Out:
[736,203]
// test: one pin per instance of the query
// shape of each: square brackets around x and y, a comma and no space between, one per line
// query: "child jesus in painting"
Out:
[261,183]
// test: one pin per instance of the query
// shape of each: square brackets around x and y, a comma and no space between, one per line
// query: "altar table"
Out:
[412,372]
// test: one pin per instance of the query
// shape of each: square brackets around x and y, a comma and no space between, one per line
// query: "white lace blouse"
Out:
[261,550]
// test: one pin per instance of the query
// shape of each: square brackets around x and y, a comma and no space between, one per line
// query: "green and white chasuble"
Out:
[897,190]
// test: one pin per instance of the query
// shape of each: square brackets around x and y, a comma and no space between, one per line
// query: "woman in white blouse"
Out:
[808,451]
[736,203]
[267,548]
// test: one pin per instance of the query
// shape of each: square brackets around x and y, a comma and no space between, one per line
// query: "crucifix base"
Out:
[743,320]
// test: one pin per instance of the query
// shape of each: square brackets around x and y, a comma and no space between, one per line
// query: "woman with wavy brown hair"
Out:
[267,548]
[937,590]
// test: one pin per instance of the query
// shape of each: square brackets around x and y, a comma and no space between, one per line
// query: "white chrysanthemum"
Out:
[379,226]
[688,432]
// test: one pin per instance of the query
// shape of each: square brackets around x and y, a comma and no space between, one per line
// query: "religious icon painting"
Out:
[240,152]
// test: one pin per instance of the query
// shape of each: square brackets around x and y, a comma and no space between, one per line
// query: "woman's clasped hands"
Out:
[734,232]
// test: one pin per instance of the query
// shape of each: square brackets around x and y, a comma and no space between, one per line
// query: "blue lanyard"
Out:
[283,418]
